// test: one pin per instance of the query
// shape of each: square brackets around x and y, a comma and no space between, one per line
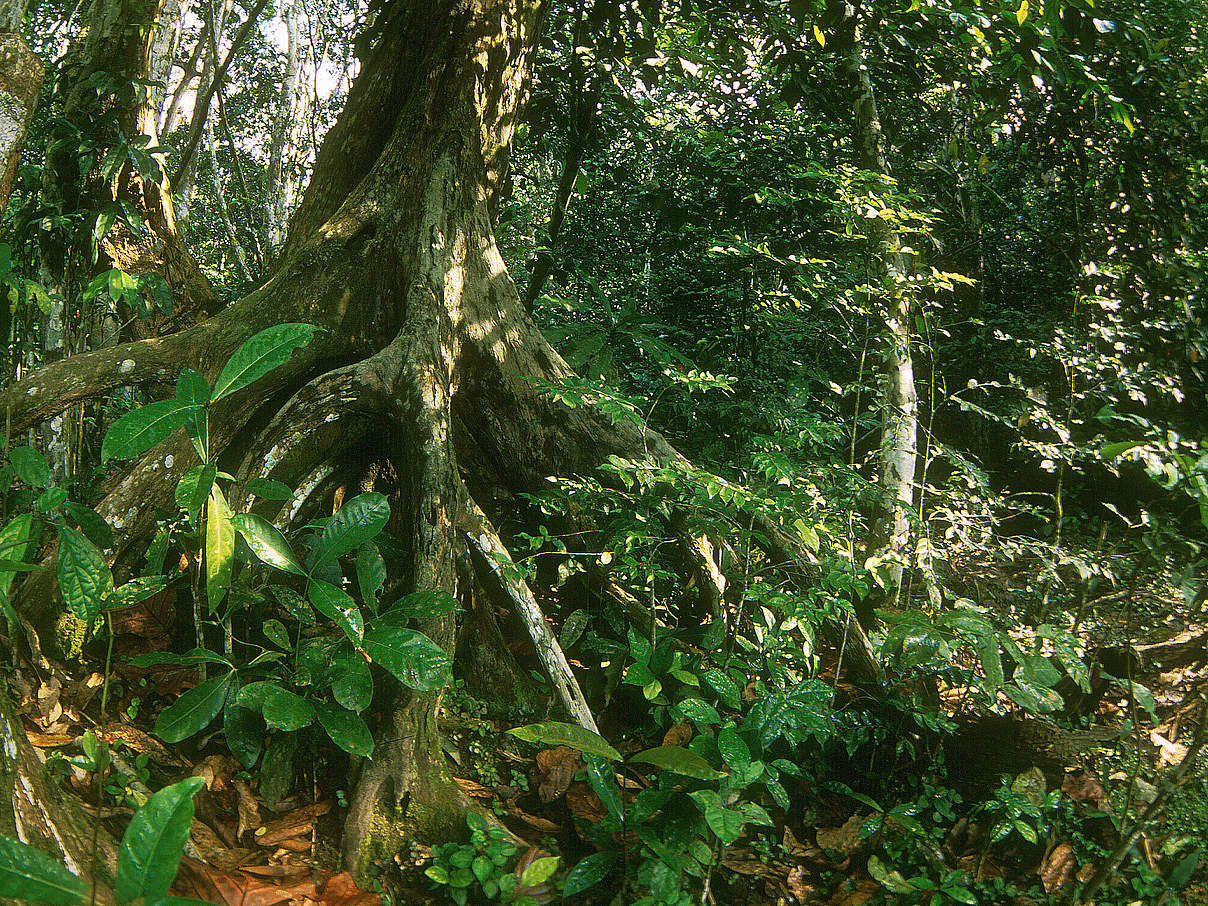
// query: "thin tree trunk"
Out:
[223,212]
[189,72]
[163,52]
[275,181]
[899,405]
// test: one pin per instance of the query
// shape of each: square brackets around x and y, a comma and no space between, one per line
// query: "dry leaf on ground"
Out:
[1058,868]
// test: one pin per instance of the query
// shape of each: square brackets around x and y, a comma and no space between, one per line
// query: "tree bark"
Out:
[900,403]
[276,182]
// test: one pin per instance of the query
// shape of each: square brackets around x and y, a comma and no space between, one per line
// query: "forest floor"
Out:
[257,841]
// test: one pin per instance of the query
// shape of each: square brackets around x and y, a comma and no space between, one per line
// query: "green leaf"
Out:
[891,880]
[192,389]
[188,659]
[267,489]
[281,709]
[32,875]
[84,577]
[554,733]
[220,548]
[136,590]
[49,500]
[700,712]
[572,629]
[294,603]
[194,710]
[735,752]
[259,355]
[724,686]
[154,842]
[539,871]
[603,779]
[338,606]
[359,520]
[419,605]
[413,658]
[589,871]
[30,466]
[1032,697]
[346,729]
[244,731]
[16,543]
[371,573]
[267,542]
[194,488]
[275,632]
[91,524]
[353,683]
[725,822]
[141,429]
[678,759]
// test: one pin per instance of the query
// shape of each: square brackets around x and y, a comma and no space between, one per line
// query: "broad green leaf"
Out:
[275,632]
[280,708]
[539,870]
[30,874]
[91,524]
[603,779]
[141,429]
[588,872]
[16,542]
[724,686]
[346,729]
[699,712]
[678,759]
[572,629]
[259,355]
[188,659]
[84,577]
[30,466]
[726,823]
[371,573]
[1032,697]
[49,500]
[244,731]
[192,389]
[135,591]
[359,520]
[554,733]
[220,548]
[194,710]
[267,542]
[733,750]
[419,605]
[891,879]
[294,603]
[338,606]
[413,658]
[267,489]
[154,842]
[353,683]
[193,490]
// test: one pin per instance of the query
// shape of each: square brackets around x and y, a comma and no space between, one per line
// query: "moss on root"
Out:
[70,635]
[393,828]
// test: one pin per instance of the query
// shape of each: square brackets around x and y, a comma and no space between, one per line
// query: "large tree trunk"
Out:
[426,344]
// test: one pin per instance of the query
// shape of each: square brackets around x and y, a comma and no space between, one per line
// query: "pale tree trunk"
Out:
[163,52]
[898,452]
[223,212]
[276,181]
[214,14]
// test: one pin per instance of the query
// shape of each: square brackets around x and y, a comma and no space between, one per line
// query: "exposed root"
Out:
[494,557]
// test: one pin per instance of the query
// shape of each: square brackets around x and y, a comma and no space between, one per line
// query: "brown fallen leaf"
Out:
[1059,866]
[205,882]
[1084,786]
[141,742]
[248,808]
[584,803]
[292,824]
[475,790]
[341,890]
[801,886]
[49,740]
[544,825]
[844,839]
[855,892]
[295,845]
[679,735]
[280,870]
[556,768]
